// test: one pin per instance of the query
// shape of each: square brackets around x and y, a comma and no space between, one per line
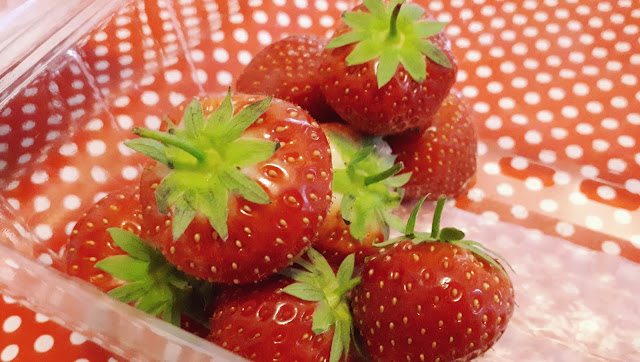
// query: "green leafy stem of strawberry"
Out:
[154,285]
[318,283]
[449,235]
[206,157]
[393,34]
[368,185]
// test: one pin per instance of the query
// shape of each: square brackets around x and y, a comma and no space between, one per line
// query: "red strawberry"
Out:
[442,159]
[288,69]
[283,320]
[387,69]
[94,254]
[365,191]
[238,195]
[432,297]
[90,242]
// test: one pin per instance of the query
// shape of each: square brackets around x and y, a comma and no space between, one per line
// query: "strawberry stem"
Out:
[384,174]
[435,225]
[393,28]
[169,139]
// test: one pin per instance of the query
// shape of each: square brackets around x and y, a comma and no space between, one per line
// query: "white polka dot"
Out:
[635,240]
[43,344]
[574,151]
[176,98]
[495,87]
[520,119]
[606,192]
[547,156]
[481,107]
[549,205]
[490,217]
[483,71]
[9,353]
[617,165]
[244,57]
[96,147]
[492,168]
[124,121]
[626,141]
[584,128]
[506,103]
[69,174]
[150,98]
[224,78]
[482,148]
[39,177]
[220,55]
[604,84]
[41,203]
[611,247]
[505,189]
[589,171]
[519,163]
[506,142]
[565,229]
[197,55]
[593,222]
[600,145]
[470,91]
[519,212]
[173,76]
[43,231]
[533,137]
[619,102]
[493,122]
[622,217]
[129,172]
[8,300]
[71,202]
[534,183]
[577,198]
[11,324]
[201,76]
[45,259]
[532,98]
[476,194]
[633,186]
[569,111]
[544,116]
[77,338]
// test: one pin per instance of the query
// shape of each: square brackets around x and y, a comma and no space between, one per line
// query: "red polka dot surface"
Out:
[553,84]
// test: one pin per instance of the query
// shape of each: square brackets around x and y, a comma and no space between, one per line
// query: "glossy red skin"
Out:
[335,241]
[90,242]
[401,104]
[288,69]
[431,286]
[262,323]
[443,158]
[297,179]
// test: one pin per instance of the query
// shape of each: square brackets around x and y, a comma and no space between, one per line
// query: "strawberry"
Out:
[104,249]
[432,297]
[386,68]
[365,191]
[301,315]
[237,195]
[288,69]
[442,158]
[90,242]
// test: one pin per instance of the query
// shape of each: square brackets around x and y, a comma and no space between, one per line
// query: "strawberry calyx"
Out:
[317,282]
[206,158]
[393,34]
[154,285]
[449,235]
[366,180]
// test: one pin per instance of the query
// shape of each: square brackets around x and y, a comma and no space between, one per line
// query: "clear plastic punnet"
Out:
[555,92]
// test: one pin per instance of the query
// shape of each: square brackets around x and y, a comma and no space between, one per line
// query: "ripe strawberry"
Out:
[90,242]
[288,69]
[105,250]
[365,191]
[280,319]
[442,158]
[235,198]
[432,297]
[387,69]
